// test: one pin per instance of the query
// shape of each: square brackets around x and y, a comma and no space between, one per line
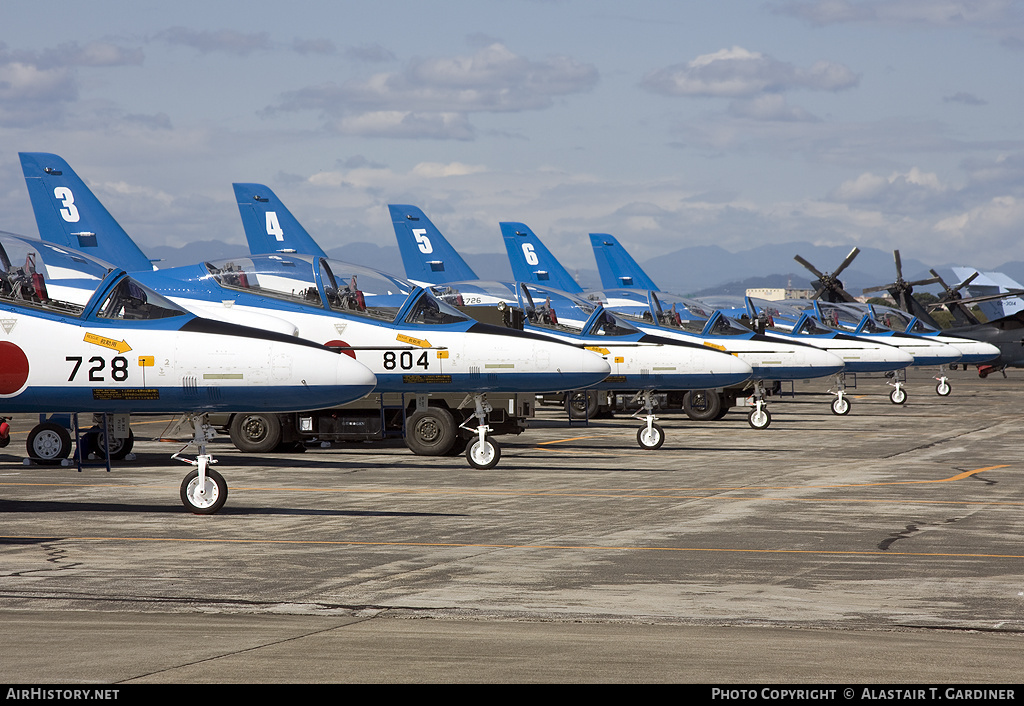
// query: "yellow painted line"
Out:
[474,545]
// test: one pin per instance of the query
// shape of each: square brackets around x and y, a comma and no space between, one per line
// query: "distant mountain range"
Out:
[704,270]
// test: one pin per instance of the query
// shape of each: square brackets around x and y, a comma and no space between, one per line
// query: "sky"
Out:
[895,125]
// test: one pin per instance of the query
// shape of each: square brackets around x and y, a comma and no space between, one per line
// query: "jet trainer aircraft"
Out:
[772,360]
[80,336]
[270,226]
[615,264]
[413,342]
[78,221]
[429,256]
[617,268]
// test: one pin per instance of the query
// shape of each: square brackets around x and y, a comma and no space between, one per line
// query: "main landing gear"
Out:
[203,491]
[759,417]
[841,404]
[481,452]
[650,436]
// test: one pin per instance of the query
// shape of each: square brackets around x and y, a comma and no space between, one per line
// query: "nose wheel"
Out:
[481,452]
[650,436]
[203,491]
[204,496]
[841,405]
[898,394]
[759,417]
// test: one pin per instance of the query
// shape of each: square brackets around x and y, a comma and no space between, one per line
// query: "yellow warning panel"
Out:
[119,346]
[413,341]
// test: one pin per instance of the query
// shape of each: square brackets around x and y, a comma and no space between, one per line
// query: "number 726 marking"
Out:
[118,368]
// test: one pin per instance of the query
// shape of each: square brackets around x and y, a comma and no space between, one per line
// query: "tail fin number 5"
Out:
[422,240]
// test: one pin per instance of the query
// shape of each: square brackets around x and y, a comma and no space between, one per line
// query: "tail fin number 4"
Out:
[274,226]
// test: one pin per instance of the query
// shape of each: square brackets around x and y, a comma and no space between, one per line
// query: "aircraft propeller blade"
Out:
[846,262]
[809,266]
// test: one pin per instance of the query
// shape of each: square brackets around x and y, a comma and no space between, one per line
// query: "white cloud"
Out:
[405,124]
[737,72]
[435,170]
[999,217]
[433,97]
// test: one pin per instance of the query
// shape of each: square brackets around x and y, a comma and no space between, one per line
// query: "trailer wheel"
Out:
[255,432]
[702,405]
[430,432]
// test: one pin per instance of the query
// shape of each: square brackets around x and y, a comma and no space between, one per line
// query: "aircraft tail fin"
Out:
[616,266]
[69,214]
[532,262]
[269,226]
[426,253]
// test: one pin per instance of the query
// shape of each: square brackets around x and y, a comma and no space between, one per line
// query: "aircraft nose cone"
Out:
[595,365]
[891,354]
[732,368]
[937,354]
[353,379]
[975,351]
[822,363]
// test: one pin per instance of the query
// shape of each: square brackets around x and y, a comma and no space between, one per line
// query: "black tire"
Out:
[702,405]
[898,396]
[431,432]
[582,404]
[840,406]
[216,489]
[119,448]
[652,440]
[255,432]
[48,444]
[943,388]
[483,456]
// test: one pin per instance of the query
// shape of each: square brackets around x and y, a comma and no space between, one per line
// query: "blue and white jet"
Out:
[772,360]
[80,336]
[270,226]
[410,340]
[429,256]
